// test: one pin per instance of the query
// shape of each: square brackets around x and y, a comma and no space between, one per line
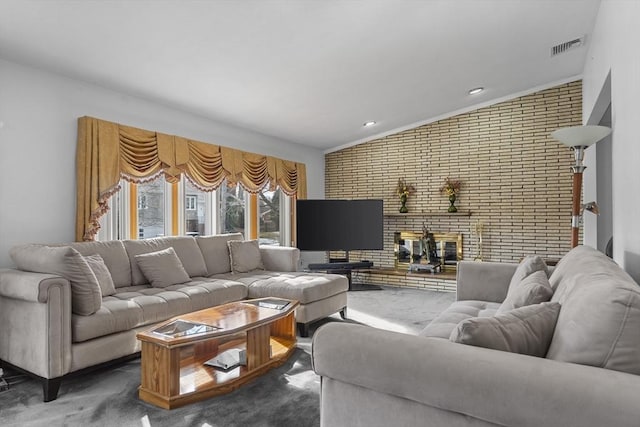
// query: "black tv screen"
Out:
[339,225]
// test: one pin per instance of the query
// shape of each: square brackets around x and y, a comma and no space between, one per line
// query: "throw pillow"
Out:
[86,296]
[99,268]
[533,289]
[529,264]
[162,268]
[216,251]
[245,256]
[525,330]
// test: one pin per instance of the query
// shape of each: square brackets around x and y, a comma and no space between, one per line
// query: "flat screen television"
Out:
[339,225]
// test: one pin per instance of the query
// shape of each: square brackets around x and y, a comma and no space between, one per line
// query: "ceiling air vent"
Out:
[563,47]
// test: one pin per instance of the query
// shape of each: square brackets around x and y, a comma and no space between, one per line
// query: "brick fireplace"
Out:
[515,178]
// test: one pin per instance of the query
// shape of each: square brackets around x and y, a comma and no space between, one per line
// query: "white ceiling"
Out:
[306,71]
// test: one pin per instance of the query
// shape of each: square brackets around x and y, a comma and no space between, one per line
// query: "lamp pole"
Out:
[578,138]
[577,169]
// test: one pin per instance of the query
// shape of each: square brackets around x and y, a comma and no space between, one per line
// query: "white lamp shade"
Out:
[580,136]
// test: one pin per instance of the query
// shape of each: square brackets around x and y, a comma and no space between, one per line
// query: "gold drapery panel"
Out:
[109,151]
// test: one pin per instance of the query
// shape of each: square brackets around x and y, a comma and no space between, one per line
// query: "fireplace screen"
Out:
[414,248]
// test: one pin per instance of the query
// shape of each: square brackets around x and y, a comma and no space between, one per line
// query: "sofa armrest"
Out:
[35,322]
[503,388]
[483,281]
[28,286]
[280,258]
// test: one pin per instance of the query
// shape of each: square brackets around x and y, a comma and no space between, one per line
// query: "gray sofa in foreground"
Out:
[67,308]
[588,375]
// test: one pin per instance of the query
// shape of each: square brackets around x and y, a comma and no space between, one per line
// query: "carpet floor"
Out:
[285,396]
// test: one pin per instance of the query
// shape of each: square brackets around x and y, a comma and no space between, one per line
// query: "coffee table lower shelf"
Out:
[198,381]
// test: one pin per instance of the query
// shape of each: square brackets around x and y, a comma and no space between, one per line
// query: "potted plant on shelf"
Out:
[451,188]
[404,190]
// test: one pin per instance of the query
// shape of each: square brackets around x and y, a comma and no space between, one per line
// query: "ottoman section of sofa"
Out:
[302,286]
[320,295]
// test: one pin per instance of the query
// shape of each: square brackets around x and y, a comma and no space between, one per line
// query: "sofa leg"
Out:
[50,387]
[303,329]
[343,313]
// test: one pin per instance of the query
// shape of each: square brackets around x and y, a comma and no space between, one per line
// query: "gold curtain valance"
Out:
[109,151]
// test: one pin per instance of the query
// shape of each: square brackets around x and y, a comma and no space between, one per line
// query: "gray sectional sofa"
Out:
[588,375]
[57,317]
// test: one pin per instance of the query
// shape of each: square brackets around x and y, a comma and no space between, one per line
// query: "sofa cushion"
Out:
[600,317]
[529,264]
[162,268]
[99,268]
[114,256]
[86,296]
[135,306]
[301,286]
[185,246]
[216,252]
[525,330]
[245,256]
[445,322]
[533,289]
[280,258]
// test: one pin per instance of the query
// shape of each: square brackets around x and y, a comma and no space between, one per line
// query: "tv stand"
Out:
[343,266]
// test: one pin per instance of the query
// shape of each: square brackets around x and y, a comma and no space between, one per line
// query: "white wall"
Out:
[38,130]
[614,48]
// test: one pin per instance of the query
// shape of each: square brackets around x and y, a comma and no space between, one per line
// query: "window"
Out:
[269,209]
[197,216]
[191,202]
[142,201]
[232,209]
[151,215]
[156,208]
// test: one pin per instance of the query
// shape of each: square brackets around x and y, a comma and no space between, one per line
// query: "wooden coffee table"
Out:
[173,370]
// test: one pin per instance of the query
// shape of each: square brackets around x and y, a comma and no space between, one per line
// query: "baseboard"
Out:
[364,287]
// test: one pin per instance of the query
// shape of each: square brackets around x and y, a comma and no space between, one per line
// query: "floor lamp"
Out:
[578,138]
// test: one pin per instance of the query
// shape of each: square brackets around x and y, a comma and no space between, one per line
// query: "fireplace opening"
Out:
[415,248]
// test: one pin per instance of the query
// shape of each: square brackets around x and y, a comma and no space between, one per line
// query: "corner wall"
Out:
[38,131]
[515,178]
[613,49]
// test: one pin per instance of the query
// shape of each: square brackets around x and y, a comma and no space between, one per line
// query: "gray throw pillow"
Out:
[216,251]
[526,330]
[529,264]
[86,295]
[245,256]
[99,268]
[533,289]
[162,268]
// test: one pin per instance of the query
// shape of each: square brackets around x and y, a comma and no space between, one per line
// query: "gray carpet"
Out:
[286,396]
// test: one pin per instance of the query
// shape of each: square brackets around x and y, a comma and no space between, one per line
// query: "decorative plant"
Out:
[450,187]
[404,190]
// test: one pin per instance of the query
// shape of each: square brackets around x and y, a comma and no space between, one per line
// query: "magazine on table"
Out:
[228,359]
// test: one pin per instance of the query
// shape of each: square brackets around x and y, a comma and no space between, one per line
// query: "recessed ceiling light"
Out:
[367,124]
[476,90]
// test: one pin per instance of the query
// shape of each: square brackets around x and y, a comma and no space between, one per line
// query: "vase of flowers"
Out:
[404,190]
[451,188]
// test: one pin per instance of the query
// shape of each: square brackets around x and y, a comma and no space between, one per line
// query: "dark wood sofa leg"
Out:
[343,313]
[50,387]
[303,330]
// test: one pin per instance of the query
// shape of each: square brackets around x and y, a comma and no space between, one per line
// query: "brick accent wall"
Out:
[515,178]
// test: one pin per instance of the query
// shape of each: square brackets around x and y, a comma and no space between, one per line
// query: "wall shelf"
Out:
[427,213]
